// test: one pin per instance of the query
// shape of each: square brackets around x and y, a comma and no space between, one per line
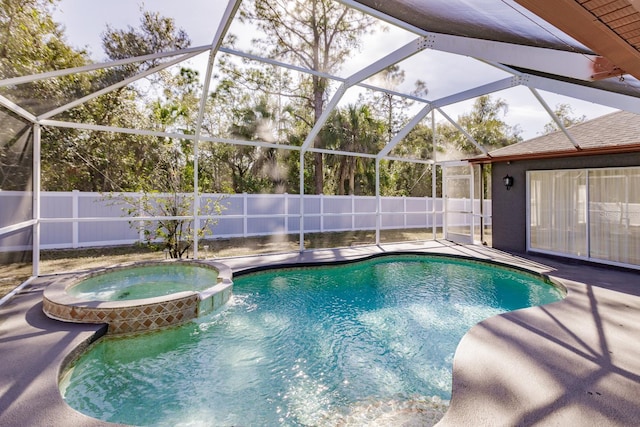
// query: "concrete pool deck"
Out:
[574,362]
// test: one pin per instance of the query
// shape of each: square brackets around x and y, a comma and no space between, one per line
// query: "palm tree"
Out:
[352,129]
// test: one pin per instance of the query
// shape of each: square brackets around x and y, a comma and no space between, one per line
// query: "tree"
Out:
[156,34]
[172,175]
[316,34]
[76,159]
[31,42]
[564,112]
[410,178]
[390,107]
[16,159]
[176,234]
[175,108]
[246,161]
[243,108]
[217,123]
[167,190]
[485,124]
[352,129]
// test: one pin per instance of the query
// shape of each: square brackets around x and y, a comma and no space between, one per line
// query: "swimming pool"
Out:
[306,346]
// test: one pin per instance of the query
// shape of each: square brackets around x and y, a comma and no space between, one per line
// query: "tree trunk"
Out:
[352,178]
[352,175]
[318,171]
[318,103]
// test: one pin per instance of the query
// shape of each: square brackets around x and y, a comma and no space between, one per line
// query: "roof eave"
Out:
[631,148]
[575,20]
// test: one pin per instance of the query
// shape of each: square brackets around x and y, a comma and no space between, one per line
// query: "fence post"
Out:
[286,213]
[404,207]
[244,214]
[321,212]
[141,226]
[353,212]
[74,214]
[428,201]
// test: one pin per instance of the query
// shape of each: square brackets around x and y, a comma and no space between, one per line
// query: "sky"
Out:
[85,20]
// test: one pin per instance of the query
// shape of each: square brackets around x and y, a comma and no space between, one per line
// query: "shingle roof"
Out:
[619,131]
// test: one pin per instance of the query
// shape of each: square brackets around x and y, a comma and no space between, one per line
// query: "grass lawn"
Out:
[65,260]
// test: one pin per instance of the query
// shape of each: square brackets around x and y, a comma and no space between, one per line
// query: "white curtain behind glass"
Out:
[614,212]
[558,211]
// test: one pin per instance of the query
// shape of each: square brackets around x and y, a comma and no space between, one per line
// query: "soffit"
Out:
[548,25]
[610,28]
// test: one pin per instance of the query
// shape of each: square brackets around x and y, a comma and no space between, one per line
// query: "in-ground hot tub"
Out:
[142,296]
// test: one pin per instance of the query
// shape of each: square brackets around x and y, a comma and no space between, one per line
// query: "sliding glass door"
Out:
[586,213]
[557,210]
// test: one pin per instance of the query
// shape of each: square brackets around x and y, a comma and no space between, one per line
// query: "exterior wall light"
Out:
[508,181]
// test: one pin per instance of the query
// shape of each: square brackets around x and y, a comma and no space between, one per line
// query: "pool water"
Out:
[305,346]
[145,282]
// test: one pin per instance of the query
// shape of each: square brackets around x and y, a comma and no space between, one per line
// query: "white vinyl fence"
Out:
[78,219]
